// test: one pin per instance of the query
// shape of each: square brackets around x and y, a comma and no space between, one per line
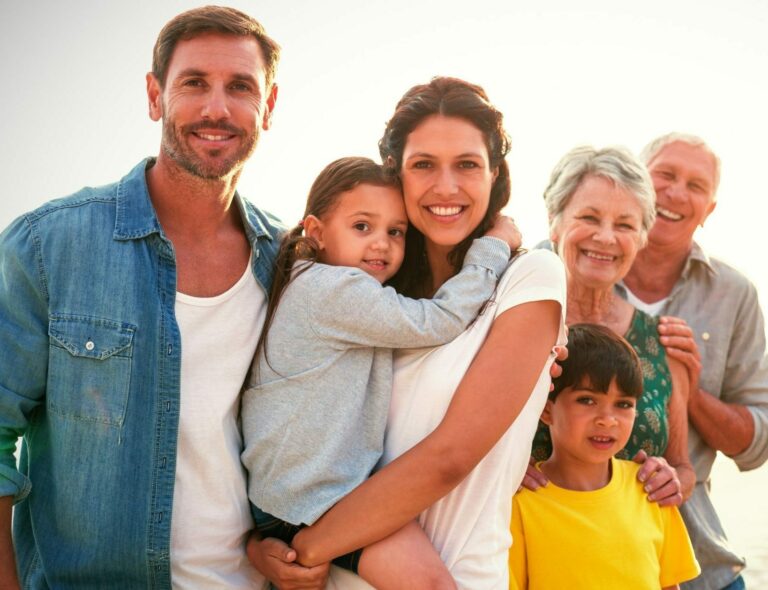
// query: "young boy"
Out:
[592,527]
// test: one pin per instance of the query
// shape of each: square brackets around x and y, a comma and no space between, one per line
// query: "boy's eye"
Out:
[625,405]
[361,226]
[585,400]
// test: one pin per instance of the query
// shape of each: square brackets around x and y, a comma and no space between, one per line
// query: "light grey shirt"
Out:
[722,307]
[313,416]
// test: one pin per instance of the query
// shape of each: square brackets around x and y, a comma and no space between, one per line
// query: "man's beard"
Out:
[175,146]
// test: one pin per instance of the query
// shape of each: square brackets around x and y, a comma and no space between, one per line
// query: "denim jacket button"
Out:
[89,345]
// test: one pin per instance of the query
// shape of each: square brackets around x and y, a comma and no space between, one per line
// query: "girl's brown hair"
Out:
[338,177]
[449,97]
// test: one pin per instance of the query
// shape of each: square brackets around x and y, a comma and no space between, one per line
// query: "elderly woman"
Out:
[601,205]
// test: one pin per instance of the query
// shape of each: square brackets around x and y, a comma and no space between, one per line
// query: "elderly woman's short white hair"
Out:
[616,164]
[650,151]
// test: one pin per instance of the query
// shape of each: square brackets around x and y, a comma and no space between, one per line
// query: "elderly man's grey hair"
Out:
[652,150]
[616,164]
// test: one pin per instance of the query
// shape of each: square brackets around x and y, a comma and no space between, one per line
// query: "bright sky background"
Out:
[564,72]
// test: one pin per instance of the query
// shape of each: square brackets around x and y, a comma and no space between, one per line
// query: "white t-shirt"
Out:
[652,309]
[211,515]
[470,526]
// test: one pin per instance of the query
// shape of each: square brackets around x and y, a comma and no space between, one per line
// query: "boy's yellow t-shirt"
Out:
[604,539]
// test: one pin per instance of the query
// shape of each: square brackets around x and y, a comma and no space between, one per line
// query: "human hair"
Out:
[616,164]
[448,97]
[650,151]
[336,178]
[597,356]
[212,19]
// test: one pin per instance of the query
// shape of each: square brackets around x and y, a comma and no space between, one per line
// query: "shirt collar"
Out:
[136,217]
[698,257]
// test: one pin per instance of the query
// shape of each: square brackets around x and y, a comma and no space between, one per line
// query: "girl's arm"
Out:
[489,398]
[677,447]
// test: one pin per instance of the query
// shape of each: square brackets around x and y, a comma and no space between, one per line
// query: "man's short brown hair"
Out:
[212,19]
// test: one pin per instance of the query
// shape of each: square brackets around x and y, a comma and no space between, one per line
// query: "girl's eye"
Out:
[360,226]
[396,232]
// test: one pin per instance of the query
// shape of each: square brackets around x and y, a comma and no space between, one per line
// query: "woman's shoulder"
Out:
[534,268]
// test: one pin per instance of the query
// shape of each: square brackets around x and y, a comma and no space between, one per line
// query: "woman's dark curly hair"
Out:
[449,97]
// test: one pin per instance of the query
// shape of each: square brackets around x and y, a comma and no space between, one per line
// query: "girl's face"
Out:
[365,229]
[446,179]
[599,233]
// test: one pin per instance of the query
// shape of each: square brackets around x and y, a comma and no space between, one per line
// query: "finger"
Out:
[691,362]
[684,343]
[667,492]
[279,550]
[671,319]
[674,500]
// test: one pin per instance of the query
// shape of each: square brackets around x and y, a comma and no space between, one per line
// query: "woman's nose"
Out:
[445,183]
[605,234]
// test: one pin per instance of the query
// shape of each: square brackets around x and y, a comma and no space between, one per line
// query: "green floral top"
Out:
[651,430]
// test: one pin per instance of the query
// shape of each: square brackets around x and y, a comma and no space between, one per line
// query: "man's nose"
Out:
[216,104]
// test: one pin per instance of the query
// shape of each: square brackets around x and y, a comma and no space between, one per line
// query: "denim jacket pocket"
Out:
[89,368]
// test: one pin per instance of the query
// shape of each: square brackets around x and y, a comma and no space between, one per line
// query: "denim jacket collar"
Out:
[136,218]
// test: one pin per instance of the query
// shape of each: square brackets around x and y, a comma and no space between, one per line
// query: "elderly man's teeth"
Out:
[668,214]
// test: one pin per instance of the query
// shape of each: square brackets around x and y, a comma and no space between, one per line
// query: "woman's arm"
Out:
[677,447]
[488,400]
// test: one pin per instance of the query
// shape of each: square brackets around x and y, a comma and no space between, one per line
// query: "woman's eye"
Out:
[590,218]
[422,164]
[626,226]
[468,164]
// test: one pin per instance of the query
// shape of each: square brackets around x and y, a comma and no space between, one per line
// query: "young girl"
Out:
[315,407]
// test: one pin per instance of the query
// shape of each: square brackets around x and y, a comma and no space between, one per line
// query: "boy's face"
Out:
[588,425]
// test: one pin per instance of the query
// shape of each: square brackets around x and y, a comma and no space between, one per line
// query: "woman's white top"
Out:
[470,526]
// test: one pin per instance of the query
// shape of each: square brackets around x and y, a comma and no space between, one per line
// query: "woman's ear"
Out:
[546,413]
[313,228]
[495,174]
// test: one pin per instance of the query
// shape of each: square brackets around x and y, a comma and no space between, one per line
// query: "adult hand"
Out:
[659,480]
[677,338]
[505,229]
[534,479]
[555,370]
[276,561]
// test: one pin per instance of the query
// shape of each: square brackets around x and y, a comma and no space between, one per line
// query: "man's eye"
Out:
[240,86]
[194,82]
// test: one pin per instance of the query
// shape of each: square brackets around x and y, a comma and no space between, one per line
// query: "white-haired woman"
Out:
[601,205]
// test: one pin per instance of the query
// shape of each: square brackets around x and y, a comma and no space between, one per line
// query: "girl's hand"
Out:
[276,561]
[505,229]
[677,338]
[659,480]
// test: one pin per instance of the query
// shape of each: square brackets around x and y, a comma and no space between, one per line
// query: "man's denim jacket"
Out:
[90,359]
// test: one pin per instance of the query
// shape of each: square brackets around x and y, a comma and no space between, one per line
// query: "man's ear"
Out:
[546,413]
[710,209]
[313,228]
[155,97]
[266,123]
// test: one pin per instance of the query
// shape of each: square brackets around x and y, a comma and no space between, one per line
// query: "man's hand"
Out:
[677,338]
[659,480]
[276,561]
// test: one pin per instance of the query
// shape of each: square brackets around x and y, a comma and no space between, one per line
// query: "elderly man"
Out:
[130,314]
[673,276]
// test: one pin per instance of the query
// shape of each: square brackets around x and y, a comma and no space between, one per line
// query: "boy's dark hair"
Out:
[597,356]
